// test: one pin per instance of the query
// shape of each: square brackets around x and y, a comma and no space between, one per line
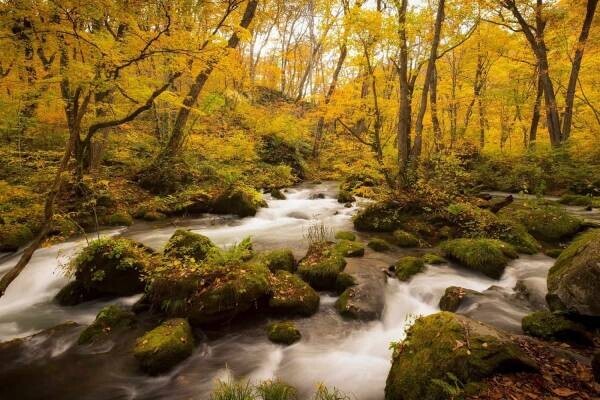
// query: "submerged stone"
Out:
[162,348]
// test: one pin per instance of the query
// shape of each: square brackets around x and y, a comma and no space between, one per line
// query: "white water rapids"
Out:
[349,355]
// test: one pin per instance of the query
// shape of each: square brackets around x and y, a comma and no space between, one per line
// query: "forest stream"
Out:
[352,356]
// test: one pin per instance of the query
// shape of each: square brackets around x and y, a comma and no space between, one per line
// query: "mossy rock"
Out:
[547,222]
[405,239]
[321,265]
[277,194]
[108,321]
[185,244]
[13,236]
[283,333]
[488,256]
[551,326]
[344,281]
[445,345]
[379,217]
[345,235]
[162,348]
[574,281]
[292,296]
[345,196]
[433,259]
[378,245]
[214,292]
[240,200]
[120,218]
[281,259]
[359,303]
[107,267]
[406,267]
[153,216]
[350,249]
[579,200]
[453,297]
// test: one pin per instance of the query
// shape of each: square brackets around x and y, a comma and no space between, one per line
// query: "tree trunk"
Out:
[404,106]
[535,118]
[435,122]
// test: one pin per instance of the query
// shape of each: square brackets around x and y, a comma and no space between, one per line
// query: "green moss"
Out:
[579,200]
[444,347]
[379,217]
[344,281]
[345,196]
[292,296]
[283,332]
[573,281]
[487,256]
[240,200]
[550,326]
[165,346]
[120,218]
[452,298]
[405,239]
[185,244]
[109,319]
[406,267]
[282,259]
[547,222]
[13,236]
[275,390]
[153,216]
[321,265]
[345,235]
[554,253]
[277,194]
[350,249]
[433,259]
[378,245]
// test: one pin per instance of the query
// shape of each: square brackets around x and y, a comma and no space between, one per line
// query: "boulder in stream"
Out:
[406,267]
[488,256]
[377,244]
[283,333]
[453,297]
[405,239]
[185,244]
[109,320]
[344,196]
[443,349]
[345,235]
[239,200]
[321,265]
[552,326]
[162,348]
[280,260]
[574,280]
[350,248]
[292,296]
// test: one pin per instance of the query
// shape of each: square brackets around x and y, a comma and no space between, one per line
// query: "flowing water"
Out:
[350,355]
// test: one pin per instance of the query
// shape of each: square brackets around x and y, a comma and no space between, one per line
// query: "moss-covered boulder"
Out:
[292,296]
[551,326]
[345,235]
[378,245]
[280,260]
[574,280]
[405,239]
[277,194]
[283,333]
[321,265]
[580,200]
[446,346]
[350,249]
[553,253]
[109,320]
[162,348]
[344,196]
[120,218]
[153,216]
[344,281]
[545,221]
[379,217]
[185,244]
[433,259]
[107,267]
[453,297]
[406,267]
[239,200]
[488,256]
[13,236]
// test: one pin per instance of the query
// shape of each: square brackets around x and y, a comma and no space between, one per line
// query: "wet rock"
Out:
[185,245]
[298,215]
[350,249]
[283,333]
[379,217]
[443,345]
[107,267]
[574,280]
[532,290]
[405,239]
[321,265]
[282,259]
[379,245]
[110,320]
[160,349]
[406,267]
[487,256]
[550,326]
[453,297]
[344,281]
[292,296]
[554,253]
[345,235]
[239,200]
[361,302]
[316,196]
[277,194]
[345,197]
